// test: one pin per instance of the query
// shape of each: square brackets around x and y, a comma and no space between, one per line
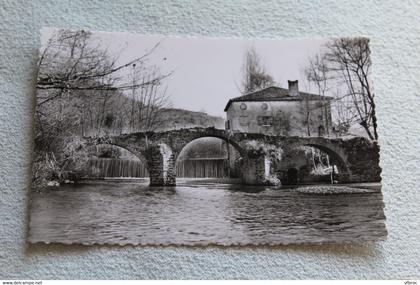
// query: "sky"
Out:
[207,72]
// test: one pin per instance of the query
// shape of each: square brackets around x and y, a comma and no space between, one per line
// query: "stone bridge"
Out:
[357,159]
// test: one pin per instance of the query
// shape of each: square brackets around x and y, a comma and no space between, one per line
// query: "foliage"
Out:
[45,169]
[282,122]
[256,148]
[273,179]
[179,118]
[272,155]
[108,151]
[66,160]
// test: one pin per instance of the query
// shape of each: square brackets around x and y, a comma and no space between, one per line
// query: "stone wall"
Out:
[362,158]
[254,171]
[161,165]
[356,158]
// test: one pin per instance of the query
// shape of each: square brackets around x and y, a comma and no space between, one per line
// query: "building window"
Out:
[243,106]
[243,120]
[265,121]
[227,127]
[321,131]
[264,106]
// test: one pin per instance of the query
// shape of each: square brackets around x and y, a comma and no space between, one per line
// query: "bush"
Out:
[68,161]
[272,154]
[45,169]
[256,148]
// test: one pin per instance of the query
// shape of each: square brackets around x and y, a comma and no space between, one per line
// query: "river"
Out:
[201,212]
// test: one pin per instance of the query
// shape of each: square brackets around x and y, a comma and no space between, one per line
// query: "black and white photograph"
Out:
[164,140]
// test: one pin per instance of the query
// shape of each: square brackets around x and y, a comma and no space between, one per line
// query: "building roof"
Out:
[275,93]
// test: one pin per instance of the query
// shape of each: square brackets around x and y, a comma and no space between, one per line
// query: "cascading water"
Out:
[202,168]
[111,162]
[114,167]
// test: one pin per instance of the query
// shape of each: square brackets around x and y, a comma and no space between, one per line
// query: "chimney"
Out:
[293,88]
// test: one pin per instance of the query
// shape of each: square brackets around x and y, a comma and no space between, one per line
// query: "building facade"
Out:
[279,111]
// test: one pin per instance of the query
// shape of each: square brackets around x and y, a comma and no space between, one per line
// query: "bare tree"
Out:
[349,60]
[307,113]
[344,115]
[346,63]
[73,65]
[71,61]
[146,101]
[317,73]
[255,76]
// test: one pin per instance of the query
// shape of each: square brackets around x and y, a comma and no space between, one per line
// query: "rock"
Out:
[332,189]
[53,184]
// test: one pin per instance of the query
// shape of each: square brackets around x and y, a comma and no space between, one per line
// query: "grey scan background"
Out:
[395,33]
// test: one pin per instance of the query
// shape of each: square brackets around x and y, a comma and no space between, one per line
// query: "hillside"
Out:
[179,118]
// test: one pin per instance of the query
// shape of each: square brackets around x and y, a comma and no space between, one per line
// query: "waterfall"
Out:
[113,167]
[202,168]
[111,161]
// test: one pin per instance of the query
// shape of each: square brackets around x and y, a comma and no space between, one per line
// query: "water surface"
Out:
[201,212]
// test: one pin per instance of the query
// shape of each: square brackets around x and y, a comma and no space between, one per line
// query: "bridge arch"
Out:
[132,148]
[335,154]
[231,142]
[137,154]
[231,151]
[112,160]
[219,134]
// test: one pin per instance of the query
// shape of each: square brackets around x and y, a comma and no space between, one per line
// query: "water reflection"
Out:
[199,213]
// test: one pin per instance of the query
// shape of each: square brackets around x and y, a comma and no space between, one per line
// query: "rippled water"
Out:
[201,213]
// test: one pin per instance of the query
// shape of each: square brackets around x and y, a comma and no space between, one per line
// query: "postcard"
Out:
[160,140]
